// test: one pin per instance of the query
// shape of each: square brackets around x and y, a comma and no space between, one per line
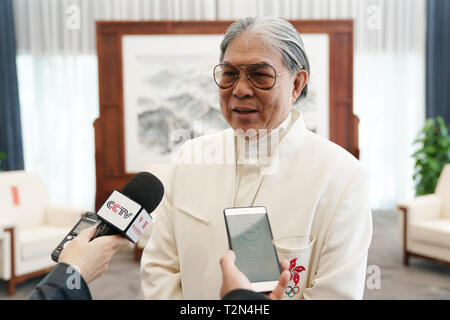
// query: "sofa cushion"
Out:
[435,231]
[38,241]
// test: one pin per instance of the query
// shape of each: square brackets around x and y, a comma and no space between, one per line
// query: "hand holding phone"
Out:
[90,257]
[89,219]
[233,278]
[250,237]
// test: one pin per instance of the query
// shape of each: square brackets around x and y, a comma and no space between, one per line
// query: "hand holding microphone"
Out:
[95,238]
[81,262]
[126,213]
[91,258]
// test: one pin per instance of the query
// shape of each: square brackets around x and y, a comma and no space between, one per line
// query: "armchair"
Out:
[425,223]
[30,227]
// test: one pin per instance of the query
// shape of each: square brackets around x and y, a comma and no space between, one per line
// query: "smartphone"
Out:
[250,237]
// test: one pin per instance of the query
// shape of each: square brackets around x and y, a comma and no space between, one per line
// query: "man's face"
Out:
[268,107]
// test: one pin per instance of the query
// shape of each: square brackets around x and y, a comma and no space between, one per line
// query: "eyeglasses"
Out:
[262,76]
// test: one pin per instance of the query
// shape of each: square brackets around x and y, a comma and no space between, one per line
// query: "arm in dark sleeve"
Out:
[244,294]
[64,282]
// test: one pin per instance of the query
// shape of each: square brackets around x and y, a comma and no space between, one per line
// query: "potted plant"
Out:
[433,154]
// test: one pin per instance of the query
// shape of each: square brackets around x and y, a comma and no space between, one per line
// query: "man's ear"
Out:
[301,78]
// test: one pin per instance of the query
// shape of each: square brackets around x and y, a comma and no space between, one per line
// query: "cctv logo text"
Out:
[117,208]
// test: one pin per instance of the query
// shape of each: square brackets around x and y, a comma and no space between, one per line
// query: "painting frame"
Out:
[109,127]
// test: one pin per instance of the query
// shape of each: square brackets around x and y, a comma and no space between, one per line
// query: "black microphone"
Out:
[128,212]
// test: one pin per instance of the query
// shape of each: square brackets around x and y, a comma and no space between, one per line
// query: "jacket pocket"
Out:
[297,250]
[189,213]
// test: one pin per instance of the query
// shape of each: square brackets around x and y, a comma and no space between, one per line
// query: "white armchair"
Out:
[425,223]
[30,228]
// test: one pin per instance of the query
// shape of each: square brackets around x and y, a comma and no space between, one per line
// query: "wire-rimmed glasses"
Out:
[261,75]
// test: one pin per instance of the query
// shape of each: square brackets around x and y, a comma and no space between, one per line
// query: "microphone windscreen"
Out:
[145,189]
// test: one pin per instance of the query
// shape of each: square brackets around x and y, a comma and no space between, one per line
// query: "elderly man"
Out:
[315,192]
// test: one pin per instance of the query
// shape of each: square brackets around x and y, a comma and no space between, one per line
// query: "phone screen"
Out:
[250,238]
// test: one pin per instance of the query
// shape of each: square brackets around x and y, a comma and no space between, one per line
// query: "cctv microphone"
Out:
[126,213]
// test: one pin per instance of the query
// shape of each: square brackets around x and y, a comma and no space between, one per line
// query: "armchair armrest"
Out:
[62,216]
[8,227]
[422,208]
[7,222]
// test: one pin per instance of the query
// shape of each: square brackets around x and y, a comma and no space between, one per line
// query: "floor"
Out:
[421,280]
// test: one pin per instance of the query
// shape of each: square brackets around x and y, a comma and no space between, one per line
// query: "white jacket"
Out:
[319,193]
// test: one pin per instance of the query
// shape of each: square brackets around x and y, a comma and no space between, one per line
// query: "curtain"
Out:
[59,96]
[438,59]
[10,124]
[389,79]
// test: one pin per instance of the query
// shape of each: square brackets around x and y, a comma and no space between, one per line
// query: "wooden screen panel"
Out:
[109,127]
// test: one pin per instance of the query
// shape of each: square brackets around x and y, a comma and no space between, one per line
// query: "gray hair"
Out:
[280,34]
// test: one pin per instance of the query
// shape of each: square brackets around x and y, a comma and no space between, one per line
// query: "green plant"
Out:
[2,157]
[434,153]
